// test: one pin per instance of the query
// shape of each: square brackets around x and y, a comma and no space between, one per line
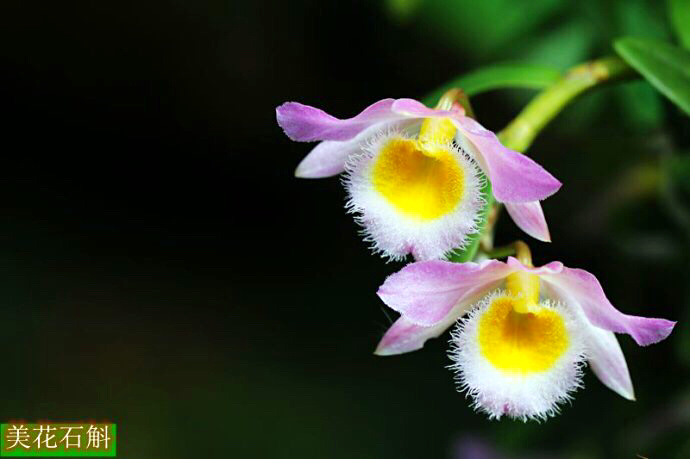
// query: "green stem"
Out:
[520,133]
[501,252]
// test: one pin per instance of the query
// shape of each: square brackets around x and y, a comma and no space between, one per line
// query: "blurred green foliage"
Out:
[679,12]
[553,34]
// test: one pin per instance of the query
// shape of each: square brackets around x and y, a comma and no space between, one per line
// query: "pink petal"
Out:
[306,124]
[608,362]
[585,289]
[555,267]
[329,157]
[405,336]
[326,159]
[529,217]
[514,177]
[425,292]
[414,109]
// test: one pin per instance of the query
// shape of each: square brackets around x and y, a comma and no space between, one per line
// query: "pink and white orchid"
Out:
[413,173]
[526,334]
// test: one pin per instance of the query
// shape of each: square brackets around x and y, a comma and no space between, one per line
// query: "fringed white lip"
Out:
[395,234]
[527,396]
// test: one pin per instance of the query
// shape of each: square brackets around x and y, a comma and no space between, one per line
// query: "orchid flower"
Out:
[413,173]
[520,349]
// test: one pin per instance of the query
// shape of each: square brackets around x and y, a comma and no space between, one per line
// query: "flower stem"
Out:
[501,252]
[520,133]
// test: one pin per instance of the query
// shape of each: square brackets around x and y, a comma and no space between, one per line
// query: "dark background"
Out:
[161,267]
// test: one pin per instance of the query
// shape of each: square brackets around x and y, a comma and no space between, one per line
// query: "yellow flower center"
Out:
[519,336]
[421,178]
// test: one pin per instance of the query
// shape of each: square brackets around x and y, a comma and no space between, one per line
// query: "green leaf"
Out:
[665,66]
[679,10]
[473,240]
[496,77]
